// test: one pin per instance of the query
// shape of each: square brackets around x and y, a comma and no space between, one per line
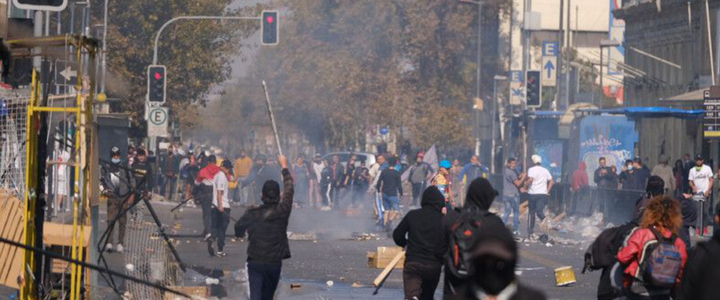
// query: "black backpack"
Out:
[602,253]
[661,262]
[461,238]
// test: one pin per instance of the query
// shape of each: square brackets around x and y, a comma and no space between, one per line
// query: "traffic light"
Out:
[270,27]
[156,84]
[49,5]
[533,89]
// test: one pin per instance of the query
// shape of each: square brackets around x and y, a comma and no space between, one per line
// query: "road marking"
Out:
[541,260]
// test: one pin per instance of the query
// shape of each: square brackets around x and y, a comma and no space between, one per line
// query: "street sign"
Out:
[157,122]
[550,48]
[711,120]
[68,73]
[549,71]
[384,130]
[516,87]
[45,5]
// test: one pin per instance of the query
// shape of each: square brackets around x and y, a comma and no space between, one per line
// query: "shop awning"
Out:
[650,112]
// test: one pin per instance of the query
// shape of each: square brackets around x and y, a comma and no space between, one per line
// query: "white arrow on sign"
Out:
[68,73]
[549,71]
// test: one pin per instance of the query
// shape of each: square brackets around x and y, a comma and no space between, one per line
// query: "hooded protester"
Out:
[480,196]
[116,183]
[267,227]
[703,268]
[494,256]
[426,245]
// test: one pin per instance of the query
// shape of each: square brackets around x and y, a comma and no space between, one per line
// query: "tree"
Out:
[345,67]
[197,53]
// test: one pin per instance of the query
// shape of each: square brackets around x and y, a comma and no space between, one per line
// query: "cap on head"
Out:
[536,159]
[445,164]
[699,157]
[140,152]
[227,164]
[115,151]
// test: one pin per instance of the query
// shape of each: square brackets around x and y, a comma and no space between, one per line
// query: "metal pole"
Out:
[710,47]
[602,89]
[272,118]
[478,78]
[38,32]
[561,40]
[157,36]
[104,49]
[493,113]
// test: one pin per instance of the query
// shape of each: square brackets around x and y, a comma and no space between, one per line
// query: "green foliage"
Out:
[344,67]
[197,53]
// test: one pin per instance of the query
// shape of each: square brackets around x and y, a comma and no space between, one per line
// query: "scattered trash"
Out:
[212,281]
[295,286]
[363,236]
[311,236]
[518,273]
[130,267]
[564,276]
[356,285]
[239,275]
[543,238]
[330,283]
[342,278]
[548,244]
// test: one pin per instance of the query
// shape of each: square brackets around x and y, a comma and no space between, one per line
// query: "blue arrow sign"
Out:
[516,92]
[549,67]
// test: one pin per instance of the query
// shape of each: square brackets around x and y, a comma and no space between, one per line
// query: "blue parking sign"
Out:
[516,76]
[550,48]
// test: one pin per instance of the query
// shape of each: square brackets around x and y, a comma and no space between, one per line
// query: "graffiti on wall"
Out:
[612,137]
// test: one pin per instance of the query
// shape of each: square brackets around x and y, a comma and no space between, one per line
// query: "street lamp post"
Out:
[606,43]
[478,74]
[495,107]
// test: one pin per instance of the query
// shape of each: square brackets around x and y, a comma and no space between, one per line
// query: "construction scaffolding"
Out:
[34,140]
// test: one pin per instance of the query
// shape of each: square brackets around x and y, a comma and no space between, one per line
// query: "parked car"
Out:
[369,158]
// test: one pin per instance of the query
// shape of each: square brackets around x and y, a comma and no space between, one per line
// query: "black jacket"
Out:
[115,180]
[267,226]
[700,277]
[143,170]
[522,293]
[390,183]
[607,180]
[425,239]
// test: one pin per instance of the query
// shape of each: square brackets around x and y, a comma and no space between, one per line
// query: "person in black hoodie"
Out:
[494,256]
[480,196]
[426,245]
[267,228]
[702,270]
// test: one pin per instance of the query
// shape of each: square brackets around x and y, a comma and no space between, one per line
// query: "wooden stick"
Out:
[384,274]
[272,117]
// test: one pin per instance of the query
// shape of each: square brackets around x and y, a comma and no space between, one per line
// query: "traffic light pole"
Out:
[173,20]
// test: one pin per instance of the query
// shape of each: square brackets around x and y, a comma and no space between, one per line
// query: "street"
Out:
[339,257]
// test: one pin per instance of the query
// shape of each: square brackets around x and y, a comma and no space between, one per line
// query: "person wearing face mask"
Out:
[626,175]
[493,258]
[142,169]
[116,183]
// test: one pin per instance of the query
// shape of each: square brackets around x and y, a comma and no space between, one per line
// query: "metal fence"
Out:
[13,136]
[149,256]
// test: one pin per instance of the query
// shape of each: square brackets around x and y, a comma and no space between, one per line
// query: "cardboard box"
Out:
[383,256]
[200,291]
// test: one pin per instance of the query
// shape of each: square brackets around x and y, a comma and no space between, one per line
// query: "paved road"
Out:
[336,256]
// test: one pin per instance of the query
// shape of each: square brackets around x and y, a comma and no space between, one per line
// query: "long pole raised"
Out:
[272,117]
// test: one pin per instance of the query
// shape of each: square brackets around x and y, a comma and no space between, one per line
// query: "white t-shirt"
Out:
[540,177]
[701,179]
[317,168]
[220,183]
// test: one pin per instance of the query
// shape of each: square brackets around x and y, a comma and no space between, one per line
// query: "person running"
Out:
[390,185]
[661,220]
[220,208]
[266,227]
[116,184]
[539,182]
[418,177]
[512,181]
[204,184]
[421,231]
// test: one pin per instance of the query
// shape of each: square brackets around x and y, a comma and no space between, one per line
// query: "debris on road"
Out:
[356,285]
[295,286]
[310,236]
[564,276]
[330,283]
[383,257]
[363,236]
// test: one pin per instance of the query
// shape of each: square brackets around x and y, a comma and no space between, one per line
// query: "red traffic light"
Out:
[270,19]
[158,76]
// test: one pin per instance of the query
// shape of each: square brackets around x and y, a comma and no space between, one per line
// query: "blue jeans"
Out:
[512,203]
[391,202]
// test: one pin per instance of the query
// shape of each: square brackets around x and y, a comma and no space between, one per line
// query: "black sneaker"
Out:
[210,249]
